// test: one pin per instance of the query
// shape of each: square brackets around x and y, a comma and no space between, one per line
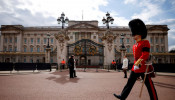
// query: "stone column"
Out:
[19,42]
[47,55]
[166,43]
[2,42]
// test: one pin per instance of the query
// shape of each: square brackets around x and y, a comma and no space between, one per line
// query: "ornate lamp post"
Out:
[122,37]
[48,36]
[107,20]
[63,20]
[48,50]
[122,49]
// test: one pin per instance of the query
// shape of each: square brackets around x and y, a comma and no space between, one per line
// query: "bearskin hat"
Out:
[138,27]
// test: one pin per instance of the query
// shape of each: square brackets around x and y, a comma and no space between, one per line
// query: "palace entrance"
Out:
[86,52]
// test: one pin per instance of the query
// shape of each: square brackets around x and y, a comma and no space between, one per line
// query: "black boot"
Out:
[118,96]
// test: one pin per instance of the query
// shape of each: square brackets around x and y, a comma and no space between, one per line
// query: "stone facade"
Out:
[28,44]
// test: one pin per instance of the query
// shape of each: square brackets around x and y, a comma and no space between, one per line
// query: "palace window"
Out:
[31,40]
[25,60]
[31,49]
[51,60]
[10,49]
[52,49]
[157,40]
[152,49]
[157,49]
[25,40]
[99,40]
[38,49]
[51,40]
[10,40]
[127,40]
[15,49]
[162,40]
[15,40]
[38,40]
[162,49]
[121,40]
[45,40]
[128,49]
[151,40]
[5,49]
[25,49]
[5,39]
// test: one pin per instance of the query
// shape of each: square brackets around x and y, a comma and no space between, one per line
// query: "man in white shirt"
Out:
[125,66]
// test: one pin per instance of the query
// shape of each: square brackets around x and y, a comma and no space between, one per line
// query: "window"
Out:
[25,49]
[157,49]
[44,49]
[100,40]
[52,49]
[31,40]
[82,35]
[134,41]
[10,49]
[151,40]
[152,49]
[31,60]
[10,40]
[31,49]
[5,40]
[156,40]
[51,60]
[128,49]
[76,36]
[89,35]
[15,49]
[45,40]
[94,37]
[25,41]
[51,40]
[162,40]
[38,40]
[25,60]
[15,40]
[38,49]
[121,40]
[127,40]
[114,40]
[5,48]
[162,49]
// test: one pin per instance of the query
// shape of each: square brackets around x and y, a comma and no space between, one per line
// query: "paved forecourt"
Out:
[89,85]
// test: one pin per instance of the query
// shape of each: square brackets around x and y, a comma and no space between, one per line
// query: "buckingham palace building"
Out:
[89,43]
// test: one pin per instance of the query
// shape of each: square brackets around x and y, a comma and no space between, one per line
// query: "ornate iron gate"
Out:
[87,52]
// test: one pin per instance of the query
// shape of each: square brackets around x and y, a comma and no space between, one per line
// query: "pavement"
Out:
[89,85]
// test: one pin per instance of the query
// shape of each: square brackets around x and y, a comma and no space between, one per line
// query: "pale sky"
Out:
[46,12]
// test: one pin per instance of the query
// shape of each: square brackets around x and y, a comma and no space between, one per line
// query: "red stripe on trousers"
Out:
[152,88]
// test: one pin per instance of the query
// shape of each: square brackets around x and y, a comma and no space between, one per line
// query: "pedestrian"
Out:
[113,65]
[63,64]
[141,51]
[125,66]
[74,72]
[71,66]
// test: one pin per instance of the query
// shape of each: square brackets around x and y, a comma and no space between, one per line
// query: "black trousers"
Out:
[74,73]
[131,81]
[71,71]
[125,72]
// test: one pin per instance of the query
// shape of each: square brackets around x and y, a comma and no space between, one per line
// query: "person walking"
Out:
[114,65]
[74,72]
[63,64]
[125,66]
[71,66]
[141,53]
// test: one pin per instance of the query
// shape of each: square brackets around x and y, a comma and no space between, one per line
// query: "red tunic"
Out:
[141,51]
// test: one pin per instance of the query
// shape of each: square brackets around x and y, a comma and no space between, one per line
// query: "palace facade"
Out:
[91,44]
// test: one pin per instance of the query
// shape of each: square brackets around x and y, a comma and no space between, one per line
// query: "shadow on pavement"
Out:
[165,85]
[62,77]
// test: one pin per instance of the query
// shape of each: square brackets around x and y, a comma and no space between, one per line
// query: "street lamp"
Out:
[122,36]
[63,20]
[107,20]
[48,36]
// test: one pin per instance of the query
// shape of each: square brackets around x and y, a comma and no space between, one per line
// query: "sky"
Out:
[46,12]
